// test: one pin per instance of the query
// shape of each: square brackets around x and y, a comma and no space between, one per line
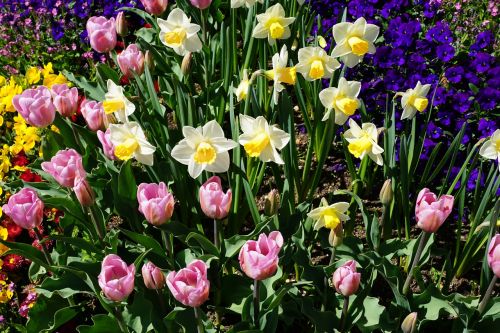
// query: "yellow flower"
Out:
[3,81]
[315,63]
[5,292]
[343,100]
[280,73]
[273,24]
[414,100]
[363,141]
[4,234]
[242,91]
[7,93]
[130,142]
[47,69]
[178,33]
[52,79]
[33,75]
[329,216]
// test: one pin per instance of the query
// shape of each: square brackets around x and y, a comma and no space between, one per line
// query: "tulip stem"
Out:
[97,227]
[256,302]
[168,246]
[42,245]
[327,285]
[199,323]
[119,319]
[216,235]
[343,319]
[487,295]
[421,245]
[162,302]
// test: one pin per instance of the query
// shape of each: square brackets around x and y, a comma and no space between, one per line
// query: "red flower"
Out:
[157,86]
[124,81]
[13,229]
[13,262]
[29,176]
[148,26]
[20,159]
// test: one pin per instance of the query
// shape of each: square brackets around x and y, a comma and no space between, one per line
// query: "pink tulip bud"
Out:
[107,146]
[190,285]
[35,106]
[84,192]
[66,166]
[345,278]
[494,255]
[214,202]
[65,99]
[430,212]
[25,208]
[102,33]
[153,277]
[116,279]
[156,203]
[131,59]
[121,24]
[155,7]
[201,4]
[259,259]
[94,115]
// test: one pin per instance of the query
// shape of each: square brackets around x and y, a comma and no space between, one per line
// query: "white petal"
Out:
[371,32]
[195,169]
[221,163]
[247,123]
[488,150]
[260,31]
[279,138]
[341,49]
[339,31]
[223,144]
[193,44]
[340,117]
[182,152]
[355,129]
[212,129]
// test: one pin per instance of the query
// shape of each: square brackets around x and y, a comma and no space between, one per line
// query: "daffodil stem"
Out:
[421,245]
[44,249]
[345,309]
[487,295]
[256,302]
[199,323]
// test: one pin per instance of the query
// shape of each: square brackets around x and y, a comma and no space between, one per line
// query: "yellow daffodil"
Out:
[33,75]
[354,40]
[363,141]
[315,63]
[262,140]
[343,100]
[329,216]
[53,79]
[242,91]
[129,142]
[491,148]
[204,148]
[178,33]
[280,73]
[413,100]
[247,3]
[116,103]
[273,24]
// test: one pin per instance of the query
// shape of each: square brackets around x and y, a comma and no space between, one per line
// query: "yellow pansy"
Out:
[33,75]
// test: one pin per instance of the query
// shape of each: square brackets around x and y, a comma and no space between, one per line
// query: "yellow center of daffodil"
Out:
[286,75]
[317,69]
[125,150]
[205,153]
[257,145]
[276,29]
[331,218]
[420,103]
[358,45]
[175,37]
[360,145]
[113,105]
[347,105]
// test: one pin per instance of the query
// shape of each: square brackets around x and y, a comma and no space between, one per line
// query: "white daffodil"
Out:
[414,100]
[363,141]
[491,148]
[116,103]
[179,33]
[315,63]
[241,3]
[129,142]
[204,148]
[280,73]
[261,140]
[242,91]
[354,40]
[343,99]
[329,216]
[273,24]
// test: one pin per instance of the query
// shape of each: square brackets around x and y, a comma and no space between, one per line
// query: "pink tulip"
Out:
[107,146]
[201,4]
[153,277]
[156,203]
[214,202]
[121,24]
[35,106]
[102,33]
[131,60]
[66,166]
[494,255]
[94,115]
[190,285]
[116,279]
[25,208]
[345,278]
[430,212]
[155,7]
[259,259]
[65,99]
[84,192]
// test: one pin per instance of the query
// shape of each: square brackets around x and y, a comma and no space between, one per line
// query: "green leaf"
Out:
[26,250]
[48,314]
[148,242]
[371,313]
[138,315]
[205,244]
[102,324]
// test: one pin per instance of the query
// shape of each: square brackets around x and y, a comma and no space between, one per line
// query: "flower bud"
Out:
[186,63]
[386,193]
[272,203]
[155,7]
[84,192]
[116,278]
[156,203]
[259,259]
[153,277]
[121,24]
[494,255]
[25,208]
[336,236]
[213,201]
[431,212]
[149,60]
[190,285]
[409,325]
[346,279]
[201,4]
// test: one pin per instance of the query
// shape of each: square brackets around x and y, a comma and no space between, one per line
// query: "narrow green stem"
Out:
[343,319]
[216,234]
[199,323]
[256,302]
[327,285]
[44,249]
[121,322]
[421,245]
[487,296]
[168,245]
[96,224]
